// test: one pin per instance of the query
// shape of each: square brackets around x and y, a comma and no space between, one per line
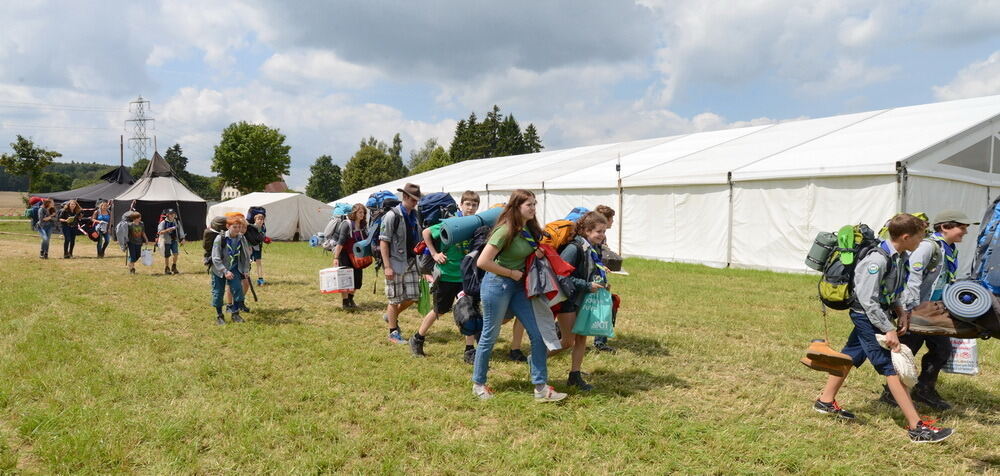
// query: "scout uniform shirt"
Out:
[877,285]
[925,266]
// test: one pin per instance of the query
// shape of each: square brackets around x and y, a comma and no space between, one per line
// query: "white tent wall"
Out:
[287,213]
[774,222]
[932,195]
[687,223]
[559,202]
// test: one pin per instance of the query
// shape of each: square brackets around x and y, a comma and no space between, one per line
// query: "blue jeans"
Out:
[219,290]
[46,234]
[498,294]
[103,239]
[69,239]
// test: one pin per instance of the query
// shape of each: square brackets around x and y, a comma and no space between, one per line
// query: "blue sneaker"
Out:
[396,338]
[260,281]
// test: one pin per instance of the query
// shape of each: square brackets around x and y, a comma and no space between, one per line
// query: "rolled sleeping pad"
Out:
[459,229]
[363,248]
[967,298]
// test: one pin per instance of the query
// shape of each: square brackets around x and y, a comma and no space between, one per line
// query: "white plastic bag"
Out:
[964,357]
[147,257]
[902,361]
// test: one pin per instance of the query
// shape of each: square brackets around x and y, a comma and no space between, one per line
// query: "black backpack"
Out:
[254,236]
[435,207]
[836,285]
[472,275]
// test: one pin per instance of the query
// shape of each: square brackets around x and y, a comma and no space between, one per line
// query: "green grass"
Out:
[101,372]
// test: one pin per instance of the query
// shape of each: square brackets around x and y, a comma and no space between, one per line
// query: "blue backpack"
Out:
[576,213]
[986,266]
[382,199]
[32,213]
[435,207]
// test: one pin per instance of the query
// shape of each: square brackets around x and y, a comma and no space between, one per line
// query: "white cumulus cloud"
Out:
[978,79]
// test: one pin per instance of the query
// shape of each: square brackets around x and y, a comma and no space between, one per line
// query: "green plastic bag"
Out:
[594,316]
[424,304]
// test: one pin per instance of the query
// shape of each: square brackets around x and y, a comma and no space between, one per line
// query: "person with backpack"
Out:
[589,275]
[230,263]
[171,234]
[933,266]
[46,213]
[257,217]
[601,342]
[515,236]
[448,282]
[346,232]
[879,283]
[102,225]
[69,218]
[398,236]
[136,239]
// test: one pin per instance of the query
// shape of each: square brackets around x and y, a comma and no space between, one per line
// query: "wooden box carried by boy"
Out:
[336,280]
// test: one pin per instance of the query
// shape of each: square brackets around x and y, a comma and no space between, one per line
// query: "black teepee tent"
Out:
[157,190]
[113,184]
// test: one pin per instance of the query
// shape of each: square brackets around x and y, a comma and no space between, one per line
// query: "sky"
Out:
[329,73]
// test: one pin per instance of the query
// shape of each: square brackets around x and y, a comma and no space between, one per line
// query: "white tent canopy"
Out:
[287,213]
[756,196]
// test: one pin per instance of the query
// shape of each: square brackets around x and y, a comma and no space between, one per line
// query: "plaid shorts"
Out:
[406,286]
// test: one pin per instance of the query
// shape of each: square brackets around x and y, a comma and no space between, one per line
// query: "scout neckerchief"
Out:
[530,239]
[234,251]
[412,235]
[601,269]
[950,258]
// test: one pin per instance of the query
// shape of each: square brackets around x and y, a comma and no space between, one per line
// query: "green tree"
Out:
[27,159]
[368,167]
[459,143]
[139,167]
[250,156]
[437,158]
[532,142]
[51,182]
[324,181]
[421,155]
[509,138]
[175,157]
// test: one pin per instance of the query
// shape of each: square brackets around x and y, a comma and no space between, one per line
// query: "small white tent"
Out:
[756,196]
[288,214]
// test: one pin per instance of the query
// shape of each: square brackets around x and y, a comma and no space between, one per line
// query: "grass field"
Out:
[101,372]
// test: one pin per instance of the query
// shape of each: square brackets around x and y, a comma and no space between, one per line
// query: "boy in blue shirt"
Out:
[879,290]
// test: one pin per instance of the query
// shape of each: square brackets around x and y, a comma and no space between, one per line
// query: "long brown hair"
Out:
[588,222]
[511,216]
[49,205]
[358,210]
[73,206]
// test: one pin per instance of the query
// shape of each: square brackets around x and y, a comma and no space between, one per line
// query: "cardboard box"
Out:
[336,280]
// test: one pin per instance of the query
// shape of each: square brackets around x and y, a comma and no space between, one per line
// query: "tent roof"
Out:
[113,183]
[159,184]
[947,139]
[264,198]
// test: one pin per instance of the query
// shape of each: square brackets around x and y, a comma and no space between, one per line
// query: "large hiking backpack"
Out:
[559,233]
[254,236]
[382,199]
[986,265]
[836,285]
[339,214]
[576,213]
[472,275]
[32,213]
[435,207]
[217,226]
[254,211]
[379,204]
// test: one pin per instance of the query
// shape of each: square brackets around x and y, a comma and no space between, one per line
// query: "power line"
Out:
[31,105]
[7,125]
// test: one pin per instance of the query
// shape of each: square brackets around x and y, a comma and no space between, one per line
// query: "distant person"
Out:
[171,234]
[601,342]
[350,230]
[69,218]
[46,221]
[257,250]
[102,225]
[230,263]
[136,239]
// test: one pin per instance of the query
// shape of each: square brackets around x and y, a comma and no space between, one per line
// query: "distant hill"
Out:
[81,173]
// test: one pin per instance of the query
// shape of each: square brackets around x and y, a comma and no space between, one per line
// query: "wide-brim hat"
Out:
[947,216]
[412,190]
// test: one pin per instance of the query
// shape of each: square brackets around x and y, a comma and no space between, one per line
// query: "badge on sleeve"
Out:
[873,268]
[918,266]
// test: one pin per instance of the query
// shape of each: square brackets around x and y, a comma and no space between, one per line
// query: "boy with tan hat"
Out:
[398,235]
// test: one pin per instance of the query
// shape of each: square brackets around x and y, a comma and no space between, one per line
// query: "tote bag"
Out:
[594,316]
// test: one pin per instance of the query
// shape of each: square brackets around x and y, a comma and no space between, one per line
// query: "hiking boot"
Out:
[517,356]
[929,396]
[417,345]
[219,320]
[166,270]
[236,317]
[131,270]
[173,269]
[603,346]
[244,308]
[484,392]
[396,337]
[548,394]
[576,379]
[925,432]
[470,356]
[350,302]
[887,397]
[832,408]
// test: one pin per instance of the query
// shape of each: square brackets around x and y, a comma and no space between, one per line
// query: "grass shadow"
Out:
[275,316]
[640,345]
[610,383]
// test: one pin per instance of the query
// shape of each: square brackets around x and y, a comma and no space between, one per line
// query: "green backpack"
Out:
[836,285]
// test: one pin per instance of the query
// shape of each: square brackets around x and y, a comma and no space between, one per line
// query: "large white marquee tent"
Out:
[288,214]
[755,197]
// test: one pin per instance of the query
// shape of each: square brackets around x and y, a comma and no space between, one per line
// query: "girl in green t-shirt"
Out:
[514,237]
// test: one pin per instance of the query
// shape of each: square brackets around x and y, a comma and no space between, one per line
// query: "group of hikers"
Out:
[912,263]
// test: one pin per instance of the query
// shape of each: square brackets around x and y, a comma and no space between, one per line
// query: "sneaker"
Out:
[244,308]
[604,347]
[417,346]
[548,394]
[484,392]
[396,338]
[236,317]
[470,356]
[832,408]
[887,397]
[576,379]
[131,270]
[166,270]
[260,281]
[925,432]
[929,396]
[173,269]
[219,320]
[517,356]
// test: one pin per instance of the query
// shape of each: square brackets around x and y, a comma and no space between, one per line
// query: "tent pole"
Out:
[901,186]
[621,210]
[121,150]
[729,238]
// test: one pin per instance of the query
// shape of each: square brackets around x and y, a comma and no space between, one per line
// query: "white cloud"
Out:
[978,79]
[319,68]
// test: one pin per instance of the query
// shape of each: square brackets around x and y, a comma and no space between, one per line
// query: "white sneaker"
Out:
[484,392]
[548,394]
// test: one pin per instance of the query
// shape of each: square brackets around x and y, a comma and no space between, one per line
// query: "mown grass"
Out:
[101,372]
